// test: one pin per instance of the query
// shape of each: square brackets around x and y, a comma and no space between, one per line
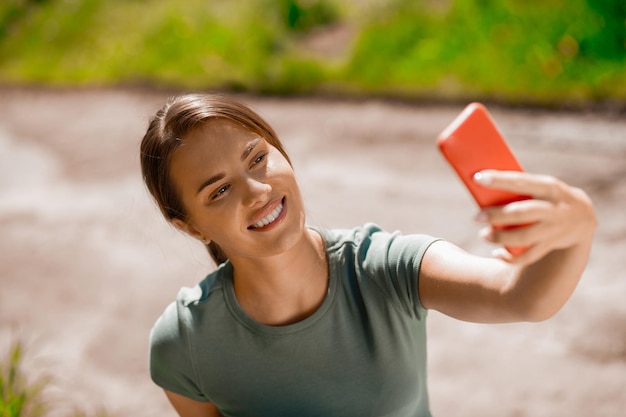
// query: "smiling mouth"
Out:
[270,218]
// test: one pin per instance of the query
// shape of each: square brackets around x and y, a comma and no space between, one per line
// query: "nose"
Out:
[256,193]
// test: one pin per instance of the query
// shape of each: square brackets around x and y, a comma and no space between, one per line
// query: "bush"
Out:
[516,51]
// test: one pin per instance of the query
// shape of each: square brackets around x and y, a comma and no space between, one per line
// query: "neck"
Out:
[285,288]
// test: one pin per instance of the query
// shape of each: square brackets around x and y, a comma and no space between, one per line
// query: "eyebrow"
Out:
[250,148]
[213,179]
[217,177]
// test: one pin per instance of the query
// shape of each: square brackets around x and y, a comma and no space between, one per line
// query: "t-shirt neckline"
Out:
[239,313]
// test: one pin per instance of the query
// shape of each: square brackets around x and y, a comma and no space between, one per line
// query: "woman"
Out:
[298,321]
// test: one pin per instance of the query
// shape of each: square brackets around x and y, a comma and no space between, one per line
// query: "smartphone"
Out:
[472,143]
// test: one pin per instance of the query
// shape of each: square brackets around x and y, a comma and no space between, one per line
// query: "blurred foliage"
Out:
[544,52]
[18,397]
[192,44]
[21,397]
[523,51]
[304,17]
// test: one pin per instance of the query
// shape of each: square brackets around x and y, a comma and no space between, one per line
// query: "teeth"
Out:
[270,217]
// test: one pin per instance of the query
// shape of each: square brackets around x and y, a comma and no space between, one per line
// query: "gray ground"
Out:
[87,264]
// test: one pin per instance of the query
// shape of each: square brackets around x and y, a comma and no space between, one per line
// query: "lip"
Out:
[265,211]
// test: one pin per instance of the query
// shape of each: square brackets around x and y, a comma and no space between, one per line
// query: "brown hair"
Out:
[165,133]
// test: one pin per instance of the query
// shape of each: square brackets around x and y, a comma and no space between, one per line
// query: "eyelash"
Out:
[220,191]
[259,159]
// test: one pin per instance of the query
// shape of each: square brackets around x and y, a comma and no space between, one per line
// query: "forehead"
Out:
[216,138]
[218,130]
[208,149]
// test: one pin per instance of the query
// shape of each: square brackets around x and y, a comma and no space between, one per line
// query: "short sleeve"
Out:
[392,261]
[171,363]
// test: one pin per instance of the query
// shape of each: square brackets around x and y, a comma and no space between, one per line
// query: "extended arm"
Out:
[530,287]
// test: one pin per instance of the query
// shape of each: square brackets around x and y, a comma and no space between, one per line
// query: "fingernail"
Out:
[483,178]
[501,253]
[486,233]
[481,217]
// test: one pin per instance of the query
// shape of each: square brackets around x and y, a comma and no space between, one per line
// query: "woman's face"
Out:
[238,190]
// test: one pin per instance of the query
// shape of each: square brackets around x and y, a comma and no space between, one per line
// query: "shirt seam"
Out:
[194,367]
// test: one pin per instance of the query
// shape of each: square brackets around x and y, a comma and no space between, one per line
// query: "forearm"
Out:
[486,290]
[531,286]
[539,290]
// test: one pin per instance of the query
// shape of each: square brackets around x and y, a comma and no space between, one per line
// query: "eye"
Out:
[220,191]
[260,158]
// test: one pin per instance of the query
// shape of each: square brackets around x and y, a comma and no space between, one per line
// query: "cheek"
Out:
[283,174]
[215,224]
[278,166]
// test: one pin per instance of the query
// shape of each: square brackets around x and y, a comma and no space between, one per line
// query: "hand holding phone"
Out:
[472,143]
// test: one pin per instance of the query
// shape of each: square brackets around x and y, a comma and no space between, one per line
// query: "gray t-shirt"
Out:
[361,353]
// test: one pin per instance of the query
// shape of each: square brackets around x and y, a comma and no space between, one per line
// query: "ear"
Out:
[190,230]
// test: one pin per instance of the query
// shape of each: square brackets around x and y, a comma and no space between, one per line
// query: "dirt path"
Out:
[87,264]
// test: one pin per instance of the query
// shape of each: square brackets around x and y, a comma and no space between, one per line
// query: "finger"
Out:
[503,254]
[516,213]
[531,255]
[542,187]
[528,235]
[506,255]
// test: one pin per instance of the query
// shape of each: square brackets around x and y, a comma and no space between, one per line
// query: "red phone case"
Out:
[472,143]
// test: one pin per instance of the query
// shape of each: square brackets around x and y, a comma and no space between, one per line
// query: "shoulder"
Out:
[172,338]
[372,242]
[178,317]
[379,263]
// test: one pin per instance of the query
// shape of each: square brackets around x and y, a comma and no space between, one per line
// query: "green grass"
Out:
[528,52]
[543,51]
[187,44]
[20,396]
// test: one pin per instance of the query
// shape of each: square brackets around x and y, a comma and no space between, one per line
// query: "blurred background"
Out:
[549,52]
[358,91]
